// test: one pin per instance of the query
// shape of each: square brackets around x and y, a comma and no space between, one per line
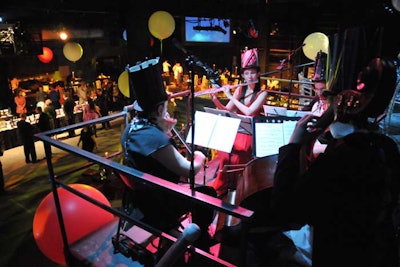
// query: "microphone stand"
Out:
[281,68]
[215,80]
[190,62]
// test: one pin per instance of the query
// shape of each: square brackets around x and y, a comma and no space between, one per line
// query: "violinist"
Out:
[349,193]
[246,100]
[149,147]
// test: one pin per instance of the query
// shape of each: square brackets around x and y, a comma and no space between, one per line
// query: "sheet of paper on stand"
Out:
[214,131]
[270,133]
[245,126]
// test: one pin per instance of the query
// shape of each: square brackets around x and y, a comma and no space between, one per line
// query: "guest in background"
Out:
[82,93]
[246,100]
[90,112]
[54,96]
[88,139]
[117,99]
[44,125]
[60,89]
[102,102]
[69,106]
[166,71]
[26,134]
[178,73]
[41,96]
[20,102]
[51,112]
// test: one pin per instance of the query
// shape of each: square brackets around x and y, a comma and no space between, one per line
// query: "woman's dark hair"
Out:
[92,105]
[257,89]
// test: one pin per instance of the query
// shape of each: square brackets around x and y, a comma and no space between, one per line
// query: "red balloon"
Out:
[47,55]
[80,218]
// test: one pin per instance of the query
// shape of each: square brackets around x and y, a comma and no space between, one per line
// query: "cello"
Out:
[252,189]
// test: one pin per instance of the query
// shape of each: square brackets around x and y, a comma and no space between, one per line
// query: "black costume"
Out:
[160,209]
[348,195]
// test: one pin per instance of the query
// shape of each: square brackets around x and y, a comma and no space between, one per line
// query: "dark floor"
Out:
[28,184]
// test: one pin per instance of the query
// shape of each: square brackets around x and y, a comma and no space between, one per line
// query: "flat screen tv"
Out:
[207,30]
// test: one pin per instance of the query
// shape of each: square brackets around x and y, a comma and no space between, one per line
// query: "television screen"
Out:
[207,30]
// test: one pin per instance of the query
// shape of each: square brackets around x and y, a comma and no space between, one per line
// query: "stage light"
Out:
[63,35]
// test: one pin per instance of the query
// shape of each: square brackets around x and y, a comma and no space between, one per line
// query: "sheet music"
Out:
[270,135]
[246,121]
[214,131]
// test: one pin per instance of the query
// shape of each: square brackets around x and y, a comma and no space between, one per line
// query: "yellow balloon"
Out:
[161,24]
[314,43]
[73,51]
[123,83]
[57,76]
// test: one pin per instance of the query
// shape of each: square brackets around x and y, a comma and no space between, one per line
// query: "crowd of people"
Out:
[60,105]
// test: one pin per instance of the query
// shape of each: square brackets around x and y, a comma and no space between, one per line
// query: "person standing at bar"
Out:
[246,100]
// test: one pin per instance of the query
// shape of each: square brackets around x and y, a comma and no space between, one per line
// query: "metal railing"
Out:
[188,194]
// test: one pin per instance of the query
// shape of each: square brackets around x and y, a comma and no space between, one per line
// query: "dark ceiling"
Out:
[291,14]
[293,19]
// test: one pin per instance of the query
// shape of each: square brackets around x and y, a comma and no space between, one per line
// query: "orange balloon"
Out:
[47,55]
[80,218]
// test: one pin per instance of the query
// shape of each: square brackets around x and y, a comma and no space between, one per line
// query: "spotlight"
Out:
[63,35]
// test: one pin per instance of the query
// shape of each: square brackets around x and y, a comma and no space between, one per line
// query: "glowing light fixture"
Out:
[63,35]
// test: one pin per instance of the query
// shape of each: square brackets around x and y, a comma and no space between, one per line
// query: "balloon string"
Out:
[161,46]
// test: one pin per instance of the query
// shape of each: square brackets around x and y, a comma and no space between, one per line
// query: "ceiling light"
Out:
[63,35]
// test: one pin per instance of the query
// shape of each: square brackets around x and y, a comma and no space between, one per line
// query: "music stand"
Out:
[270,133]
[216,131]
[246,125]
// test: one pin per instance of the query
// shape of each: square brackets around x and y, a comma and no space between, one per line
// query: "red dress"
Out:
[242,153]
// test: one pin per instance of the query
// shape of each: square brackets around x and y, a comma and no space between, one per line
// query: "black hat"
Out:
[375,88]
[147,84]
[320,67]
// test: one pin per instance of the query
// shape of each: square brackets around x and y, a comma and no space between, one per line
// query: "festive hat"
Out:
[250,59]
[375,88]
[320,67]
[147,84]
